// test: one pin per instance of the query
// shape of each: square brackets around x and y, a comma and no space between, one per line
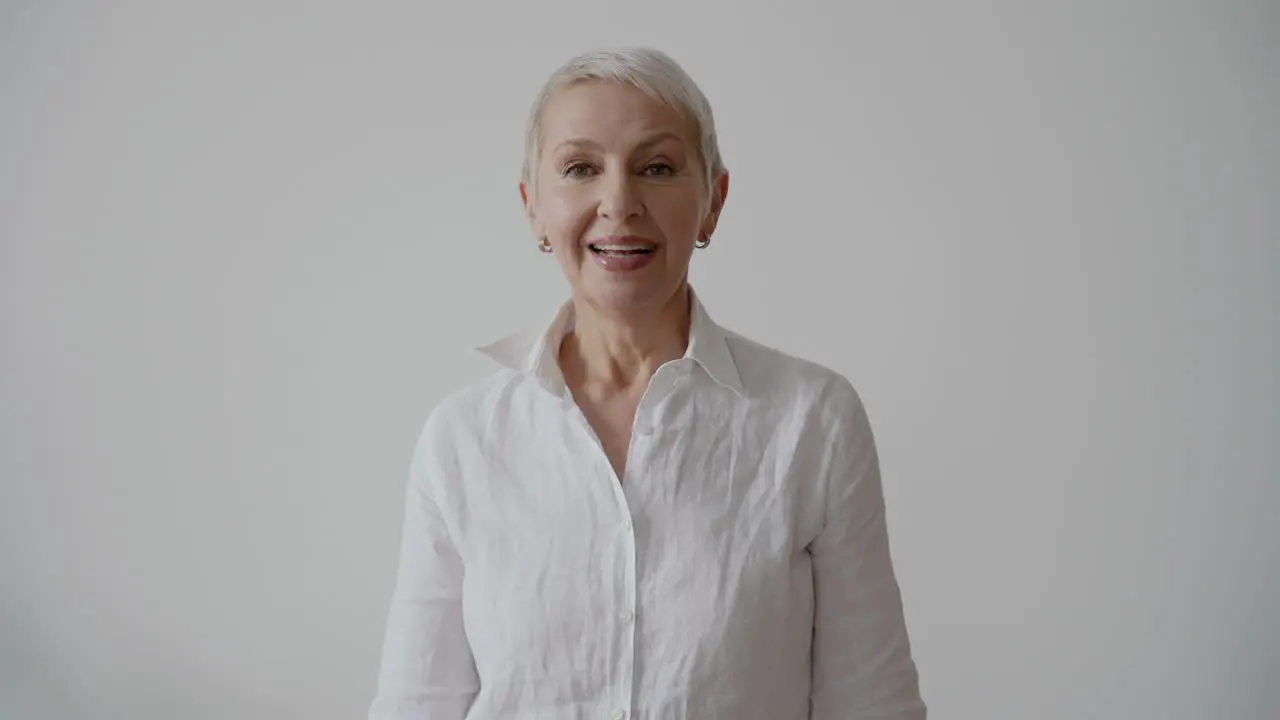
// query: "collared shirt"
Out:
[738,570]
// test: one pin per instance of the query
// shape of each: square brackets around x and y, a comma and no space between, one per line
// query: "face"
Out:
[621,195]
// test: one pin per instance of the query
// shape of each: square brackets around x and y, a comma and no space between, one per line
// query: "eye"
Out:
[659,169]
[576,170]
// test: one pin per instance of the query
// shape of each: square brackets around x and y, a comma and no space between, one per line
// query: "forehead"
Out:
[605,111]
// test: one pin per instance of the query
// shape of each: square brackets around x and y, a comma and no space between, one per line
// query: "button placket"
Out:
[643,431]
[626,547]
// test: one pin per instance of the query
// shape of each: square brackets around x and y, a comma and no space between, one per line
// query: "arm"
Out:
[427,671]
[862,664]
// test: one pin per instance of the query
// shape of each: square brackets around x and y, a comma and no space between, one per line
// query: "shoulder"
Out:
[774,375]
[466,411]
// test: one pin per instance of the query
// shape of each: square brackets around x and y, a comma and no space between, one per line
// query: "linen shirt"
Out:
[738,570]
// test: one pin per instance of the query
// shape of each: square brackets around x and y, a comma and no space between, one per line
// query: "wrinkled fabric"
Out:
[739,569]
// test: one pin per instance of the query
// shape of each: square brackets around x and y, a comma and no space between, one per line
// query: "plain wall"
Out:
[247,246]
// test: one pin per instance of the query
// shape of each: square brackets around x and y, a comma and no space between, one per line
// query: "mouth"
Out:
[623,247]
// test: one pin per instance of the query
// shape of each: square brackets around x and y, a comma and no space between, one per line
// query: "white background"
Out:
[247,246]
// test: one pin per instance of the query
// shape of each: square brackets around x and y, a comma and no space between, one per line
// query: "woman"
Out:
[642,514]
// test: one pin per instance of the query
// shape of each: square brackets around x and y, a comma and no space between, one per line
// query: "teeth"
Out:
[622,248]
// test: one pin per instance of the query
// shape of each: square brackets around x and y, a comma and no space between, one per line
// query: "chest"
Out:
[690,478]
[702,544]
[611,420]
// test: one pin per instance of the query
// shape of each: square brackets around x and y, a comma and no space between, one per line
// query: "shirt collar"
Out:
[533,350]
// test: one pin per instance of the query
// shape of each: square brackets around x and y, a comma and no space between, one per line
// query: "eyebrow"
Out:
[655,139]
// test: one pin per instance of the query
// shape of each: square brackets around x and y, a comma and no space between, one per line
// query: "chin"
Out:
[621,298]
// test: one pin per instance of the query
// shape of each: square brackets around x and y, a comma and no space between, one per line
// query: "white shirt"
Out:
[739,569]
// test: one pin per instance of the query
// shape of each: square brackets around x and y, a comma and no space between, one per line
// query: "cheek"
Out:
[564,211]
[680,214]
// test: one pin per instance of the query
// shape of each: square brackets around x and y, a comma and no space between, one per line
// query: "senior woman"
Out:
[642,514]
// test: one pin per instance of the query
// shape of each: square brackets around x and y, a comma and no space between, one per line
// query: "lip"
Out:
[623,263]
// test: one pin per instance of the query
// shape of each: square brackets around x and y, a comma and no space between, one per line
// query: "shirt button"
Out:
[644,430]
[618,715]
[626,526]
[626,616]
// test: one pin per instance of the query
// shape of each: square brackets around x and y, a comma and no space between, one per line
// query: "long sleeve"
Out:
[427,670]
[862,663]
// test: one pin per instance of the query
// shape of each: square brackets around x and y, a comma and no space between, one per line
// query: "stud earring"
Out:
[544,244]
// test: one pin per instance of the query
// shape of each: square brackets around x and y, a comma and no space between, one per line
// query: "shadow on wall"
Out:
[34,683]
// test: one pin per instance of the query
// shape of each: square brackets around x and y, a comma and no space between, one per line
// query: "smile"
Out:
[623,253]
[621,250]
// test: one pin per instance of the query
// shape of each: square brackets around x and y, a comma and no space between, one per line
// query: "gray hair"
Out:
[647,69]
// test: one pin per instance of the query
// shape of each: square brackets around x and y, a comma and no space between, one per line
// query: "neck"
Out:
[616,353]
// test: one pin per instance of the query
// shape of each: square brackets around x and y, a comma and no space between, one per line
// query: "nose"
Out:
[619,198]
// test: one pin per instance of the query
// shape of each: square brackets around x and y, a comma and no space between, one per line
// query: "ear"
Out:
[526,198]
[719,192]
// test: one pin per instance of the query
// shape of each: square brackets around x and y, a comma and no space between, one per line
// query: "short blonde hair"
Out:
[647,69]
